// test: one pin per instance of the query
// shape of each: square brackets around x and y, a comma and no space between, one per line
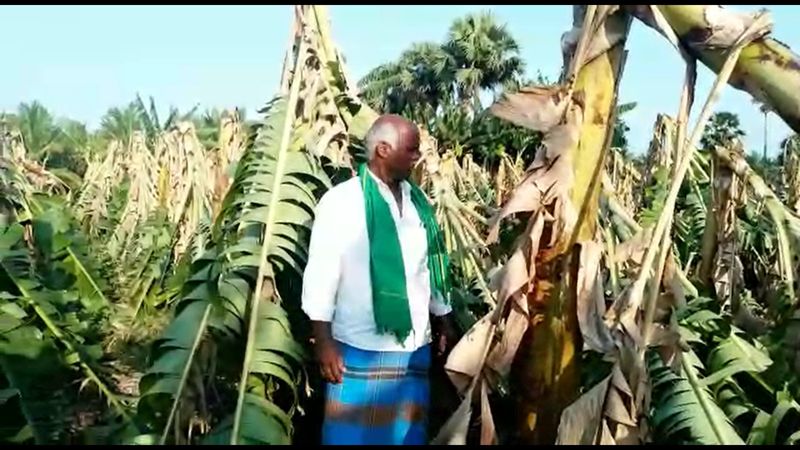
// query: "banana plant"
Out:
[685,411]
[765,69]
[561,190]
[232,297]
[52,316]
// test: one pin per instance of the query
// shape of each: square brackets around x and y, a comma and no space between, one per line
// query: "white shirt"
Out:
[336,282]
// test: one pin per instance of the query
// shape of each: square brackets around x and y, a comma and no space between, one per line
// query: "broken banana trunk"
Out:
[767,69]
[561,189]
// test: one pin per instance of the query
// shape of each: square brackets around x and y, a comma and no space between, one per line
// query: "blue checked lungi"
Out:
[383,398]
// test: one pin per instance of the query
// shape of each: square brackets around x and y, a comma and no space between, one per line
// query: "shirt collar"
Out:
[404,186]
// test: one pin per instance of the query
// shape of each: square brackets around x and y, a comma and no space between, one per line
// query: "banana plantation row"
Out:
[150,272]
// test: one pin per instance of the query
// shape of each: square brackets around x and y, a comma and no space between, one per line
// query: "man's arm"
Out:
[442,325]
[331,364]
[320,281]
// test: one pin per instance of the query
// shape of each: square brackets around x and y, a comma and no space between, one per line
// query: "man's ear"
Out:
[383,149]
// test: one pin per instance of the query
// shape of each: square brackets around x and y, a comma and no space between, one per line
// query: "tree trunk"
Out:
[546,371]
[767,69]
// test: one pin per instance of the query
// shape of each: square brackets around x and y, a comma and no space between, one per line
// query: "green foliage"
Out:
[484,55]
[273,192]
[690,222]
[684,410]
[439,85]
[655,196]
[690,217]
[621,128]
[38,129]
[477,54]
[225,357]
[416,85]
[733,397]
[52,312]
[484,136]
[121,123]
[721,129]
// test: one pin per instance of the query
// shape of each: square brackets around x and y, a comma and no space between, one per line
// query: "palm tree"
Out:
[722,128]
[417,84]
[38,129]
[207,127]
[484,54]
[73,147]
[478,54]
[120,123]
[150,119]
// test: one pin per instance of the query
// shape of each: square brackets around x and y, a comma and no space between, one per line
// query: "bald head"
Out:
[390,129]
[393,145]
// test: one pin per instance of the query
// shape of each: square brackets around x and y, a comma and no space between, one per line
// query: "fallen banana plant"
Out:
[142,169]
[461,225]
[102,176]
[330,109]
[233,298]
[624,177]
[787,224]
[231,142]
[727,274]
[44,315]
[248,313]
[765,68]
[555,189]
[686,151]
[620,404]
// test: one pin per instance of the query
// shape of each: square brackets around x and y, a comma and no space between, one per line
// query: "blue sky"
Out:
[81,60]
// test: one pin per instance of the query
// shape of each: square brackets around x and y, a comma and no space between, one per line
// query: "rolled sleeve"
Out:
[321,276]
[438,306]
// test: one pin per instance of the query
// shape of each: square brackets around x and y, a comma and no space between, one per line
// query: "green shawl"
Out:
[386,267]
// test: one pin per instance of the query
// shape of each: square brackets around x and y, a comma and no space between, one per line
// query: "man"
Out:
[377,269]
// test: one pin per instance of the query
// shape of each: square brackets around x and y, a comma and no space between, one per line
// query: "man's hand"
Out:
[445,335]
[331,364]
[330,360]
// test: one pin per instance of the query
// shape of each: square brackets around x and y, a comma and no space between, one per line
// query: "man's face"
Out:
[402,159]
